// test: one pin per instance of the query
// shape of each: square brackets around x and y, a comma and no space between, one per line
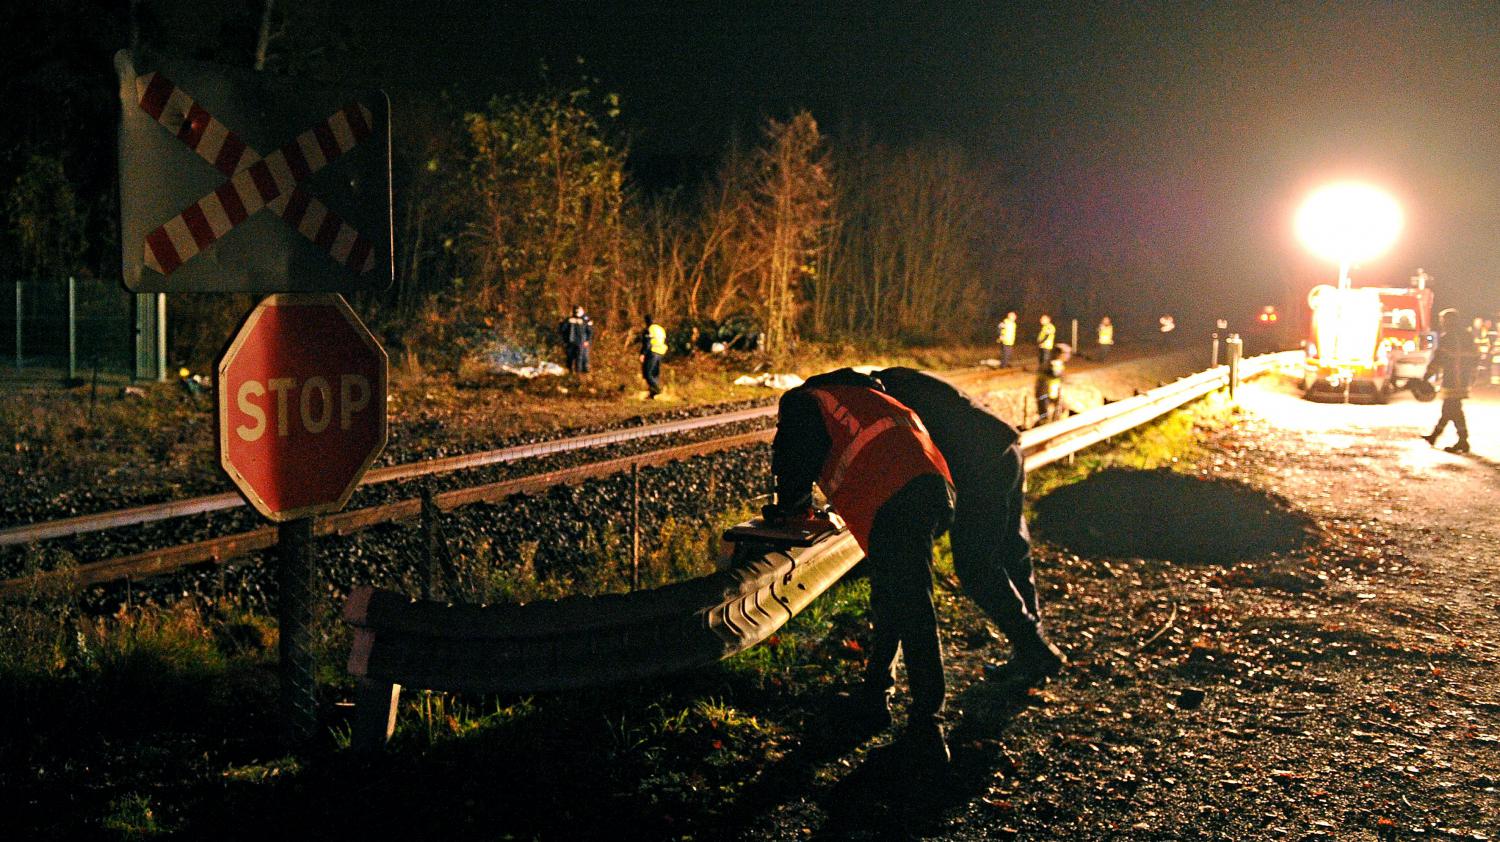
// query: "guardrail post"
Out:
[1233,346]
[299,698]
[1215,362]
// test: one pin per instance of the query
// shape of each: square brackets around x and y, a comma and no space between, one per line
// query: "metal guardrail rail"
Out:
[585,641]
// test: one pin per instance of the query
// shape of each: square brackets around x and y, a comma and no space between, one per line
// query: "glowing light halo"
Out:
[1348,222]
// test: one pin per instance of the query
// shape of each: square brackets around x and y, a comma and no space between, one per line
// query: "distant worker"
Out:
[1007,338]
[881,472]
[1049,392]
[1106,337]
[577,333]
[1480,331]
[991,545]
[1454,359]
[1493,329]
[653,348]
[1046,338]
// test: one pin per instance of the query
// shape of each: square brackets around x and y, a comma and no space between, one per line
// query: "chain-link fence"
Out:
[66,327]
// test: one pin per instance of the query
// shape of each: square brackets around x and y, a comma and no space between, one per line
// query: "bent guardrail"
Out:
[585,641]
[578,641]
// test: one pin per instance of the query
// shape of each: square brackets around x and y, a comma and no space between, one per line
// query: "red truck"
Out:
[1368,343]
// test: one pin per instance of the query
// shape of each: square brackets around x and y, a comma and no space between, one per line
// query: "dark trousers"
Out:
[992,550]
[1104,351]
[578,359]
[1005,355]
[1043,356]
[900,568]
[1453,410]
[651,370]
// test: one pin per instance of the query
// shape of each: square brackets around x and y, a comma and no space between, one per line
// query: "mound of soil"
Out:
[1170,516]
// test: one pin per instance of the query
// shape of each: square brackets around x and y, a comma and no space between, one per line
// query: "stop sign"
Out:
[301,393]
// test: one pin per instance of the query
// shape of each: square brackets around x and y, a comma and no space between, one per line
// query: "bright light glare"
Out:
[1346,325]
[1348,222]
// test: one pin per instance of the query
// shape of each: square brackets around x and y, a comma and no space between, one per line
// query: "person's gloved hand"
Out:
[775,513]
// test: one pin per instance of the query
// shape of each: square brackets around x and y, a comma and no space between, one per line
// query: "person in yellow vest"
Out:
[1046,338]
[1007,338]
[1106,337]
[653,348]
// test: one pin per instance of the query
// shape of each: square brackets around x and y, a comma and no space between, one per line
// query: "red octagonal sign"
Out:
[301,405]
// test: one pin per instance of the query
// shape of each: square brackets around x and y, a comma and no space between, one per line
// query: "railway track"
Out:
[240,543]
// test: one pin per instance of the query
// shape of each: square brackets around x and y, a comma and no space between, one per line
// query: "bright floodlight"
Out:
[1348,223]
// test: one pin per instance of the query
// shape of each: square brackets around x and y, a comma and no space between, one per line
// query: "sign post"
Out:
[301,415]
[235,181]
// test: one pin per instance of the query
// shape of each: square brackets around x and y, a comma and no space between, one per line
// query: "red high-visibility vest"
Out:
[879,445]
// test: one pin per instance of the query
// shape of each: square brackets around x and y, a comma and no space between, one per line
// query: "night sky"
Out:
[1186,131]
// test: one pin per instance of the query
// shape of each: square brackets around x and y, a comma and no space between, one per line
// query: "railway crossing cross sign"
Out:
[235,181]
[301,392]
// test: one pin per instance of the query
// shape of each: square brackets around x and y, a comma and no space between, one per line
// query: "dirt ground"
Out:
[1338,682]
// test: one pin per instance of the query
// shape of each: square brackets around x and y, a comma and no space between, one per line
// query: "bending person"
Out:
[881,472]
[991,545]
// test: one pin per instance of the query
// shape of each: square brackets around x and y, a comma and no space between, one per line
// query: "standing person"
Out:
[881,472]
[1049,392]
[991,545]
[1106,337]
[1007,338]
[1454,358]
[653,348]
[577,332]
[1046,338]
[1492,328]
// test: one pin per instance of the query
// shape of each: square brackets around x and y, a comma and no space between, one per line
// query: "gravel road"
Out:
[1344,688]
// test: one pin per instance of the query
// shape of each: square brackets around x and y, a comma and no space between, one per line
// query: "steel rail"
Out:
[153,512]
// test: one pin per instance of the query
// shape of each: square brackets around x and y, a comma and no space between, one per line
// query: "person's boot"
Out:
[1431,438]
[923,745]
[1461,447]
[861,713]
[1036,660]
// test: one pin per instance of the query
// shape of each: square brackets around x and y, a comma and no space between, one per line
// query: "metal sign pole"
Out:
[299,699]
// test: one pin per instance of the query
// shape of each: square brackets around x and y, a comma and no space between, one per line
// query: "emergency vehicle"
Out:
[1369,342]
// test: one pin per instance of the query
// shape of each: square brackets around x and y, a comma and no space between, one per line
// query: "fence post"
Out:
[161,337]
[72,329]
[1215,362]
[18,325]
[635,525]
[1075,338]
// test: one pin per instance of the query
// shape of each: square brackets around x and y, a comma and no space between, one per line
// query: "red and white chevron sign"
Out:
[255,182]
[245,181]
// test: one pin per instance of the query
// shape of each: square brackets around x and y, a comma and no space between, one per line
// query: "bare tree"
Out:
[787,221]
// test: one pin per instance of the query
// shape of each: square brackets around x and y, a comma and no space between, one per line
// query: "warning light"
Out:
[1348,223]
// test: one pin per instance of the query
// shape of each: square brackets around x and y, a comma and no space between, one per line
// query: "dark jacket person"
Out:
[881,472]
[991,545]
[1456,359]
